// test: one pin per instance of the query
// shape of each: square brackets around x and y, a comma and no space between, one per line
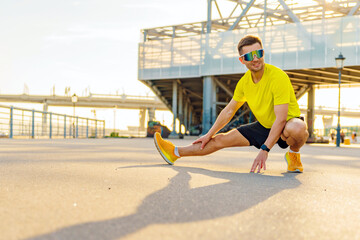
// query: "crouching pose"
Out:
[271,98]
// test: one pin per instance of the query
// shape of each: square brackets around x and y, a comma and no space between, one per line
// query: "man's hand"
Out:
[259,161]
[203,140]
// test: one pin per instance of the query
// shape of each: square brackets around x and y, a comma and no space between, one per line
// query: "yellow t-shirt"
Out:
[274,88]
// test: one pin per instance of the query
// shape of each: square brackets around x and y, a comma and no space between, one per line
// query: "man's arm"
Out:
[224,117]
[275,132]
[281,112]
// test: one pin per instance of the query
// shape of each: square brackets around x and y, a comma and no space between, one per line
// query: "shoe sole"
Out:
[162,155]
[295,171]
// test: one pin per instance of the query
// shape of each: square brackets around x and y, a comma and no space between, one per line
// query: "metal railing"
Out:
[19,122]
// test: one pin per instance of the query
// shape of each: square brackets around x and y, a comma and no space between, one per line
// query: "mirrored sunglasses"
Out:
[250,55]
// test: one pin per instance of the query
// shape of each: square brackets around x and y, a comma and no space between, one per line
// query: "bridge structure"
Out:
[194,68]
[144,103]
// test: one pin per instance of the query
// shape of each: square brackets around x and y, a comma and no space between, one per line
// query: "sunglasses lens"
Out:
[259,53]
[250,56]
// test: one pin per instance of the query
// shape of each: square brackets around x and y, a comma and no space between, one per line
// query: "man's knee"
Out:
[232,138]
[219,140]
[224,140]
[296,129]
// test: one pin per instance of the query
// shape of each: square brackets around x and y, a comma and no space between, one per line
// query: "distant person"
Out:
[332,136]
[342,136]
[270,96]
[353,136]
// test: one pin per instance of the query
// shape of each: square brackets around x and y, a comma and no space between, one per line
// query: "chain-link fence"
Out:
[19,122]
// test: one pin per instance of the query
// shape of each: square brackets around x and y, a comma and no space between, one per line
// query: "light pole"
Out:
[339,65]
[74,100]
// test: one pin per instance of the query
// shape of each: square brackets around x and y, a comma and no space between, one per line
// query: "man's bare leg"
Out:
[232,138]
[295,134]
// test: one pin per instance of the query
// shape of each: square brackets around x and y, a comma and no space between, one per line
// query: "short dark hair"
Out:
[247,41]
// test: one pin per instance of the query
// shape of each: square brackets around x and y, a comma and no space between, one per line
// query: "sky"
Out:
[89,44]
[81,43]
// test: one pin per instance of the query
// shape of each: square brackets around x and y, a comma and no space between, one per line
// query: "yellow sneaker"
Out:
[165,148]
[293,162]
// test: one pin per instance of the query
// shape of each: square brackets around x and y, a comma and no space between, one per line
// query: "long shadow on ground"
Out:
[178,203]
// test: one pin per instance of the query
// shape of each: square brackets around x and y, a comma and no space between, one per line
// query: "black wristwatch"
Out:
[265,148]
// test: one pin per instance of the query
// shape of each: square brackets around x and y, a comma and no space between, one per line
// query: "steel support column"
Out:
[213,101]
[172,47]
[174,134]
[186,116]
[151,114]
[190,118]
[311,111]
[181,112]
[208,25]
[208,106]
[265,13]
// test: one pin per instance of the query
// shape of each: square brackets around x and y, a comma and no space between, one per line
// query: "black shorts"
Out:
[256,134]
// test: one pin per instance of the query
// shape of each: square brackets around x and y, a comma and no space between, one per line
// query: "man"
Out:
[270,96]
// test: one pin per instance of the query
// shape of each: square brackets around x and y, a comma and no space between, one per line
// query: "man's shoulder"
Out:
[274,72]
[245,77]
[274,69]
[246,74]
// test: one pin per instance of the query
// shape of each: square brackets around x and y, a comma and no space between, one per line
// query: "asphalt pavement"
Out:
[122,189]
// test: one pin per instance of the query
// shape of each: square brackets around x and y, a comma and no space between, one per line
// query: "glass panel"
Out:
[312,44]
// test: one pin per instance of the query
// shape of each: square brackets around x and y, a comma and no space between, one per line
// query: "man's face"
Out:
[257,64]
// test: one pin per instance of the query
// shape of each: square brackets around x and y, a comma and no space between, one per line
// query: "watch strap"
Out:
[265,148]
